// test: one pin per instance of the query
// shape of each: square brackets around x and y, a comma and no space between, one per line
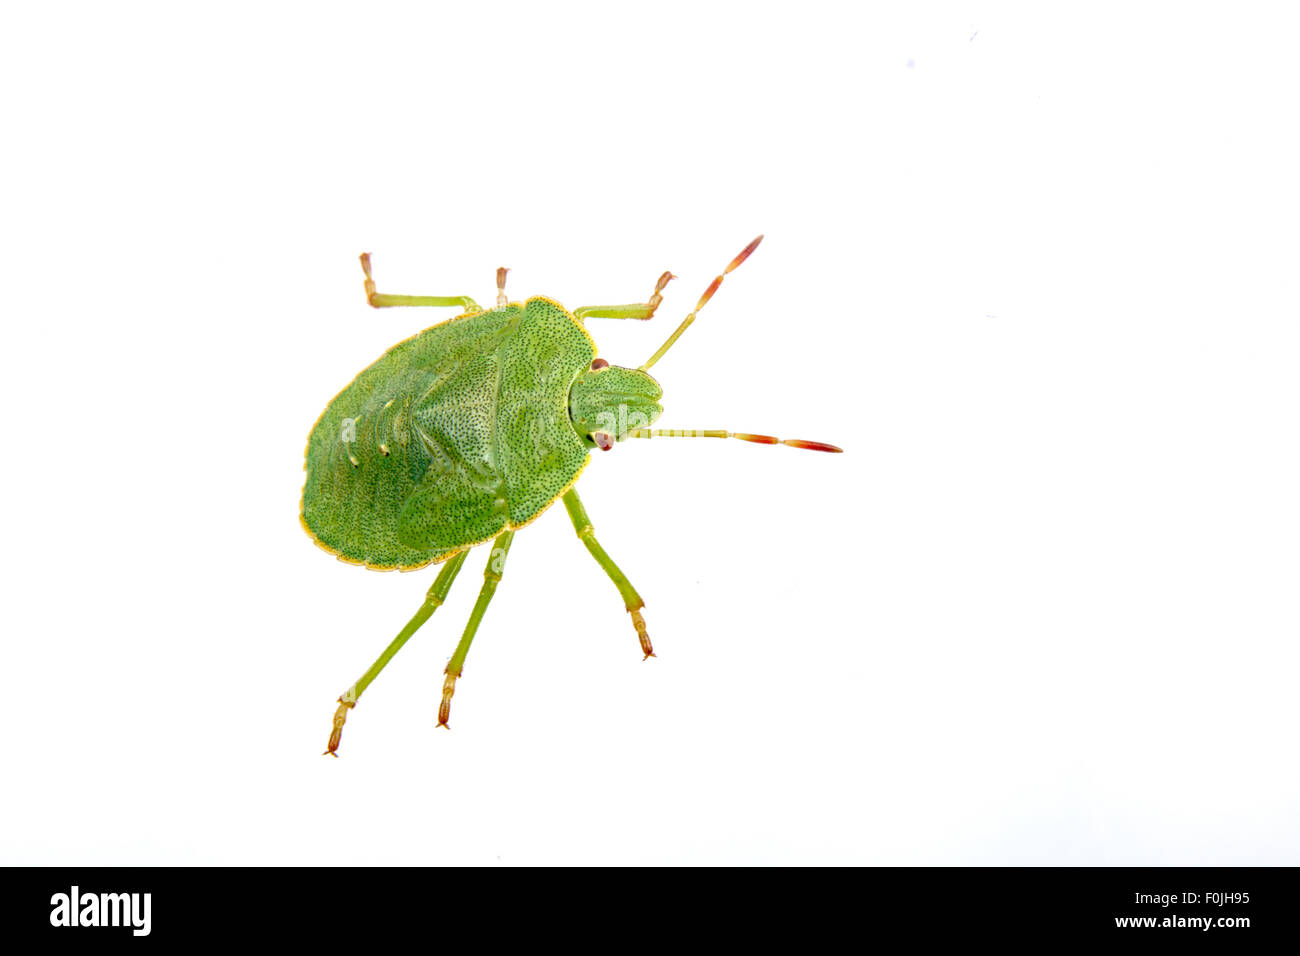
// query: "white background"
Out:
[1035,270]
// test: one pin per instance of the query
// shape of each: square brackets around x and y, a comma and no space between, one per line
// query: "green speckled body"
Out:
[453,436]
[471,429]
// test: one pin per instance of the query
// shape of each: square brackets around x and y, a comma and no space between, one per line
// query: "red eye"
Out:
[599,364]
[602,440]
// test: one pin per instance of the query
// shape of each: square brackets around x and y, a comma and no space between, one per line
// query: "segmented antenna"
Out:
[708,294]
[718,433]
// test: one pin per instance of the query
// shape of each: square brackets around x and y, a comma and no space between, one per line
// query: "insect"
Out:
[468,431]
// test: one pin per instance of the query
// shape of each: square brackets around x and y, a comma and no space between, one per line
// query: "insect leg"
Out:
[502,301]
[631,600]
[432,601]
[640,310]
[491,578]
[381,300]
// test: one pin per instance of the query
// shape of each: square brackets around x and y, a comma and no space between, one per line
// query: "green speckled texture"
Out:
[474,416]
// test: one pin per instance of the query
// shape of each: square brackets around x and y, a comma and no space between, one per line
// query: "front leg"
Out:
[639,310]
[631,600]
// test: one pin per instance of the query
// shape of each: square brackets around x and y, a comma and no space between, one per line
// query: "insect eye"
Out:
[602,440]
[598,364]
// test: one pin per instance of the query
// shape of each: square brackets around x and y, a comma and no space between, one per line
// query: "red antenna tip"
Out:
[744,254]
[812,445]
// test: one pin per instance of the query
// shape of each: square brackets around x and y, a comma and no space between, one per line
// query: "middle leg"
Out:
[491,578]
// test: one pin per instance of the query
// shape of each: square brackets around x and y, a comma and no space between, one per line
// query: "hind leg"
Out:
[436,595]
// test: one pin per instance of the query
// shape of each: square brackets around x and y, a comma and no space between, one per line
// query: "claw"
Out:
[444,709]
[370,282]
[642,635]
[657,297]
[340,716]
[502,301]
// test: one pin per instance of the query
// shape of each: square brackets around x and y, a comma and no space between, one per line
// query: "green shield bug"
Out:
[469,430]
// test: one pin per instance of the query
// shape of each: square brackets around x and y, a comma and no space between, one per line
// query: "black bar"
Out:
[351,906]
